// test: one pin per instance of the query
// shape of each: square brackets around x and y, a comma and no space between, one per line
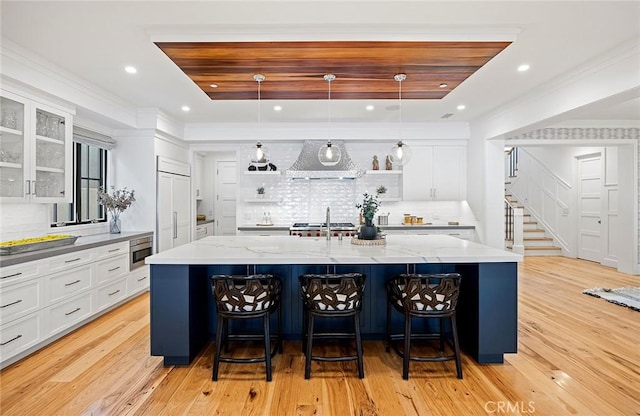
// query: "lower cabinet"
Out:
[43,300]
[463,233]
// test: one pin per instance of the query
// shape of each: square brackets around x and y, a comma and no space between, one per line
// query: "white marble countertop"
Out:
[400,249]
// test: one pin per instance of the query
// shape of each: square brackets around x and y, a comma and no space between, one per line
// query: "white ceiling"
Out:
[94,40]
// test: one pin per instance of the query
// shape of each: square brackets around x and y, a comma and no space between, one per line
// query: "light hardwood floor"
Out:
[577,355]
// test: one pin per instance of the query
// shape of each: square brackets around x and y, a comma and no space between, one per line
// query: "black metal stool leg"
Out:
[356,323]
[456,346]
[267,345]
[216,357]
[307,365]
[407,346]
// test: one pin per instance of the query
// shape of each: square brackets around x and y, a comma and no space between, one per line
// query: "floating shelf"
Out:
[384,172]
[262,172]
[264,200]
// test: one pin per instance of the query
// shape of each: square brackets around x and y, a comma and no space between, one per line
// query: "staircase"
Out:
[535,241]
[534,238]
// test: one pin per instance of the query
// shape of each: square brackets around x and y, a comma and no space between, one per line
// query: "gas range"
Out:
[317,229]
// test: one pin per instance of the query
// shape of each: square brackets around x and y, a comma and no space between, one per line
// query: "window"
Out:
[89,175]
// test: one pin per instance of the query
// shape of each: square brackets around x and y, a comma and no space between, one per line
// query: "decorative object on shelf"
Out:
[375,164]
[389,165]
[272,167]
[116,202]
[260,155]
[381,190]
[260,192]
[400,152]
[327,154]
[368,209]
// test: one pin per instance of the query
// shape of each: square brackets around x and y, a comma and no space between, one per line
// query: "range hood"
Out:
[308,165]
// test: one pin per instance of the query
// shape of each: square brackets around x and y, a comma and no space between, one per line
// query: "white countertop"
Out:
[400,249]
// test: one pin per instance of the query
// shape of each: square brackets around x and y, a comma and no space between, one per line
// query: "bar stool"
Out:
[424,296]
[331,296]
[246,297]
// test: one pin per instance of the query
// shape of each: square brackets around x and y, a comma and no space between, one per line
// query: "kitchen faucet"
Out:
[328,223]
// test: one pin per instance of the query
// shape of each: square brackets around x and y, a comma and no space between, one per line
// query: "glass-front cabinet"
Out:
[36,151]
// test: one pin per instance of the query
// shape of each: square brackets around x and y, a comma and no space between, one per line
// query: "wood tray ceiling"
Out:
[295,70]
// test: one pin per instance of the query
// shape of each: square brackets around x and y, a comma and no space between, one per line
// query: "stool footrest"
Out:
[333,359]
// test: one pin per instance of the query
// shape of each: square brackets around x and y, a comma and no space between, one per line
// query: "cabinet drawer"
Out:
[138,280]
[65,314]
[20,272]
[112,269]
[63,285]
[20,299]
[67,261]
[112,293]
[111,250]
[19,335]
[463,234]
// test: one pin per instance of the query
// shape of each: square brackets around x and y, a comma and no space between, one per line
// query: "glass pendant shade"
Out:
[329,155]
[400,154]
[260,155]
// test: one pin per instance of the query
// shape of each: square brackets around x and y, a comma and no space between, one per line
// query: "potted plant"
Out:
[260,191]
[115,202]
[381,190]
[368,209]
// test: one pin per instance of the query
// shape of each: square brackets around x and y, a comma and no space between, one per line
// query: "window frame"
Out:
[76,204]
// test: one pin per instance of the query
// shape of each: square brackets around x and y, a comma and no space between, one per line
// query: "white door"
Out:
[165,212]
[225,197]
[589,208]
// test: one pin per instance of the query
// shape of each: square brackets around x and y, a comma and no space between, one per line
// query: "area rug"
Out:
[624,296]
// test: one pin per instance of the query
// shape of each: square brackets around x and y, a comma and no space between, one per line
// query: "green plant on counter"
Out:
[369,206]
[260,190]
[381,190]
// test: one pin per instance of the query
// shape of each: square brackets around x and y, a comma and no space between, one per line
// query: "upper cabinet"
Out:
[436,173]
[35,151]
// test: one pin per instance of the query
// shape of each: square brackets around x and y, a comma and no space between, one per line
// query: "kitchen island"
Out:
[183,316]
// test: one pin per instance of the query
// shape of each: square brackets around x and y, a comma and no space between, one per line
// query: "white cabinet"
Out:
[198,177]
[40,301]
[173,204]
[436,173]
[35,151]
[204,230]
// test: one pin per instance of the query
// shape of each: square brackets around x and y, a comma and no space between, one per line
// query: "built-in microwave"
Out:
[140,248]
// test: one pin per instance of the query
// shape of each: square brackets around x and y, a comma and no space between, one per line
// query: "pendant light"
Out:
[329,155]
[260,155]
[400,152]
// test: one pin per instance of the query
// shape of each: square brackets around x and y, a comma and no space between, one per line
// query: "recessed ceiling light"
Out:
[461,107]
[370,107]
[130,69]
[523,68]
[185,108]
[277,108]
[213,85]
[444,85]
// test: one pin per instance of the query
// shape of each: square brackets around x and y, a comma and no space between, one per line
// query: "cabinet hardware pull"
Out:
[11,275]
[34,187]
[73,311]
[72,260]
[175,224]
[28,187]
[72,283]
[114,269]
[141,279]
[12,303]
[11,340]
[113,293]
[113,250]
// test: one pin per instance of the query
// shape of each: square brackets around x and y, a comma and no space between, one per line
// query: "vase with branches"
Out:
[115,202]
[368,209]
